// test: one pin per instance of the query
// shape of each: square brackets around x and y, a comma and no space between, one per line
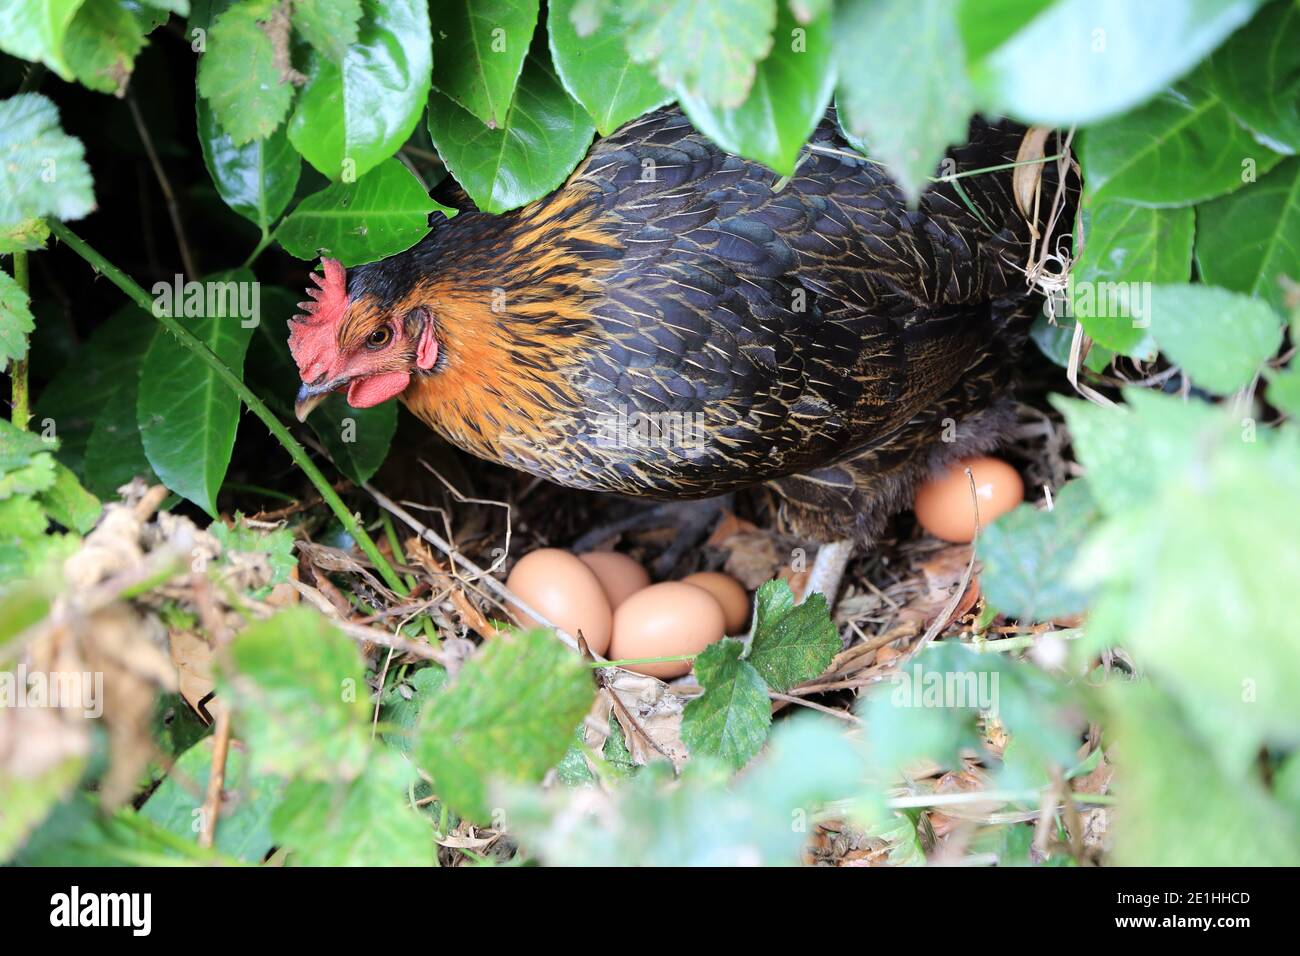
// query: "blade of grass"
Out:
[299,455]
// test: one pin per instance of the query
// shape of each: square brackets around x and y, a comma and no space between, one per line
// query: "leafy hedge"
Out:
[1177,545]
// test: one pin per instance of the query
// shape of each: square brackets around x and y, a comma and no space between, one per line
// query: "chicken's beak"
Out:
[308,398]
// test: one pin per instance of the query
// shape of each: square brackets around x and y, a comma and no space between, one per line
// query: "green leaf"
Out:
[239,76]
[1284,389]
[256,180]
[792,643]
[1183,147]
[43,171]
[1257,73]
[792,88]
[300,698]
[19,447]
[544,137]
[330,26]
[1125,248]
[510,714]
[248,798]
[405,701]
[479,49]
[26,235]
[730,719]
[187,415]
[276,546]
[384,212]
[115,451]
[1054,341]
[29,800]
[35,30]
[708,50]
[909,97]
[102,43]
[1249,240]
[1026,556]
[1079,61]
[597,71]
[70,504]
[16,322]
[1220,338]
[356,438]
[366,821]
[353,115]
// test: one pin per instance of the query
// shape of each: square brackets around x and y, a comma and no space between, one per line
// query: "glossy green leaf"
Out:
[43,171]
[382,213]
[792,642]
[908,97]
[356,438]
[102,43]
[479,50]
[597,71]
[330,26]
[16,322]
[1220,338]
[1257,73]
[239,76]
[1249,240]
[353,115]
[187,415]
[115,451]
[256,180]
[709,50]
[510,714]
[36,29]
[546,134]
[1026,556]
[1181,148]
[792,88]
[731,718]
[1080,61]
[1055,341]
[1126,248]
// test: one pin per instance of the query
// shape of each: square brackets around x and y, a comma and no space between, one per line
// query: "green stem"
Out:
[261,245]
[18,373]
[623,662]
[255,404]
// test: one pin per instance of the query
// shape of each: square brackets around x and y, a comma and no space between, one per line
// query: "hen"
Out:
[677,322]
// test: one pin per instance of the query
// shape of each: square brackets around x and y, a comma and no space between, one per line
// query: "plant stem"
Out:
[267,236]
[255,404]
[18,373]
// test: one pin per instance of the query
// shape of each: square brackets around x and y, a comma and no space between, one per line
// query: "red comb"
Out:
[312,331]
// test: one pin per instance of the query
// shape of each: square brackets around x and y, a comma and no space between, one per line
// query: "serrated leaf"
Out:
[187,415]
[730,719]
[16,322]
[25,236]
[1220,338]
[1257,72]
[546,134]
[509,715]
[18,447]
[68,503]
[1249,240]
[297,686]
[35,30]
[1183,147]
[330,26]
[43,170]
[709,50]
[792,88]
[256,180]
[596,70]
[792,643]
[1125,248]
[479,50]
[239,76]
[384,212]
[353,115]
[276,546]
[1106,56]
[909,99]
[404,711]
[1026,556]
[102,43]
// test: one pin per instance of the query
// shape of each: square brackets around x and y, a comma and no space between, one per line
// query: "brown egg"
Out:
[943,504]
[664,620]
[728,592]
[567,592]
[619,575]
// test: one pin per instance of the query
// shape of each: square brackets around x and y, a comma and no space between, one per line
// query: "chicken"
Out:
[678,322]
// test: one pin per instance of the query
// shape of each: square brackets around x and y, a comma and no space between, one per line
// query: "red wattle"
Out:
[373,389]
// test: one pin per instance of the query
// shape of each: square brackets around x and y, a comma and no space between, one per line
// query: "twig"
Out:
[841,714]
[173,210]
[216,779]
[18,371]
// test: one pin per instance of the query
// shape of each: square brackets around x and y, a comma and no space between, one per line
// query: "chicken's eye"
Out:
[379,337]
